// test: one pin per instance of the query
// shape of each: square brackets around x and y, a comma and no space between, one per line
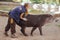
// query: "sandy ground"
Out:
[50,32]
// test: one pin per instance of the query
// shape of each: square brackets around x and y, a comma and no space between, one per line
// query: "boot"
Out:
[6,34]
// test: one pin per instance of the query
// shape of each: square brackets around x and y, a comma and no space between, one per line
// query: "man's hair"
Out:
[26,4]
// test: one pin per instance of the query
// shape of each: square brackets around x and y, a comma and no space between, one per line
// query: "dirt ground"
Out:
[50,32]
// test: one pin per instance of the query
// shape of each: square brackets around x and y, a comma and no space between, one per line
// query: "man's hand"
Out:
[24,19]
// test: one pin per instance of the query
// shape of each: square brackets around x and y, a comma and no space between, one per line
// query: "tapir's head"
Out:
[50,18]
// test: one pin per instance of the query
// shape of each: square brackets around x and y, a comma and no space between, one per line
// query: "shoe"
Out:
[6,34]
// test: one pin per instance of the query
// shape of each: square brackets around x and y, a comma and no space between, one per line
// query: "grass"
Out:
[36,11]
[58,25]
[6,8]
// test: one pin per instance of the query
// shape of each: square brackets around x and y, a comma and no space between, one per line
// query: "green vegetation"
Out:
[36,1]
[46,1]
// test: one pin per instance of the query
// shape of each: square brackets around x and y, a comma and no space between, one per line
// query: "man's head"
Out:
[27,5]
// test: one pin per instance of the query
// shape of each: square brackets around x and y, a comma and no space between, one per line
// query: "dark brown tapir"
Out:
[35,21]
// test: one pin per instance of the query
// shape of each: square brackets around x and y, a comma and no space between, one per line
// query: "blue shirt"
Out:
[16,12]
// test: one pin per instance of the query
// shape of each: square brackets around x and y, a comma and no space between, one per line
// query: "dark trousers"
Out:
[10,25]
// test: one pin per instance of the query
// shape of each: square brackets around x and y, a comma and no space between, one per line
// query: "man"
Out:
[15,16]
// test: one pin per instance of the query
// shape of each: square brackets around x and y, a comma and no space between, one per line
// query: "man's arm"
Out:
[21,16]
[26,13]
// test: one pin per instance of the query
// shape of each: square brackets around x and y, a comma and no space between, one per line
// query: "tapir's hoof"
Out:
[41,34]
[25,35]
[31,35]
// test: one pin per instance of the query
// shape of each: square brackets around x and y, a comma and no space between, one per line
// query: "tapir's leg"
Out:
[40,29]
[23,31]
[33,29]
